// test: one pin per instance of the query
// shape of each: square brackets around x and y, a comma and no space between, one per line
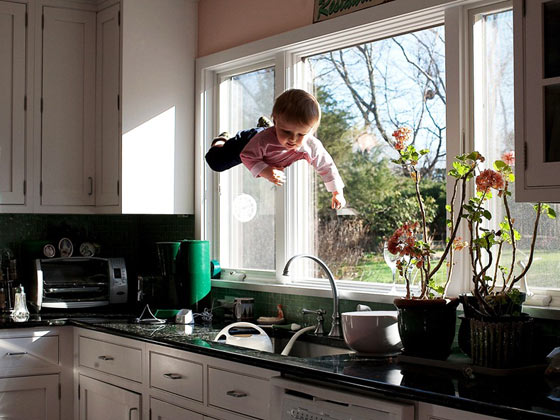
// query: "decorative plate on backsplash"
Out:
[65,247]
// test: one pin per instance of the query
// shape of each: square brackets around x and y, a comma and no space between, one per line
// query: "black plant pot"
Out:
[427,327]
[471,308]
[505,342]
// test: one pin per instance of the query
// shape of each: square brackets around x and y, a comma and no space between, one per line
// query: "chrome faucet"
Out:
[336,329]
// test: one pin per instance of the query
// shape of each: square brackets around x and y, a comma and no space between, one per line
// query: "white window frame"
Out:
[287,51]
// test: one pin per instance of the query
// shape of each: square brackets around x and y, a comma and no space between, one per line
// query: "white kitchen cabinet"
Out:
[68,107]
[159,49]
[35,366]
[102,401]
[160,410]
[238,392]
[537,100]
[108,127]
[437,412]
[13,137]
[30,397]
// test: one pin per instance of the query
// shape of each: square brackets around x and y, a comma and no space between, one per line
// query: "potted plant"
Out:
[499,334]
[427,321]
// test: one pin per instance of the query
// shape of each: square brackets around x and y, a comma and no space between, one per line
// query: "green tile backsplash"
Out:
[265,305]
[130,236]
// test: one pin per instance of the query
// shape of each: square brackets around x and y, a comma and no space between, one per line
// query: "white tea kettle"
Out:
[260,341]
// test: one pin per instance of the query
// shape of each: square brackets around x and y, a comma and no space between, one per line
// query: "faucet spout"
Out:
[336,328]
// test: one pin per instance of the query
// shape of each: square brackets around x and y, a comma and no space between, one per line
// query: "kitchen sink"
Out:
[307,349]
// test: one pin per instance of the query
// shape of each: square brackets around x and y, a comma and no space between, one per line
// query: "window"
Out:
[367,92]
[494,135]
[445,72]
[246,205]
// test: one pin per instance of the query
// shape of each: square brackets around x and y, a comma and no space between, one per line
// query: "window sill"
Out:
[316,290]
[323,290]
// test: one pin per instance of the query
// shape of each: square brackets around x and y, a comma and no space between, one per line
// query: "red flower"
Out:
[489,179]
[509,158]
[401,135]
[403,242]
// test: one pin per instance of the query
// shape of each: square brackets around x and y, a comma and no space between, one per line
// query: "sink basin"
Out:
[306,349]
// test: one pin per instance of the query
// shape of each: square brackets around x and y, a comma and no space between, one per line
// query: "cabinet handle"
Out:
[237,394]
[18,353]
[130,412]
[90,185]
[106,358]
[172,375]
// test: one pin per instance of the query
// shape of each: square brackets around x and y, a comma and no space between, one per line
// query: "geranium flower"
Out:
[459,243]
[401,135]
[403,241]
[509,158]
[489,179]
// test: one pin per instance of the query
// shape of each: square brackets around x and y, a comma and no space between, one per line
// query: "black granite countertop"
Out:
[523,397]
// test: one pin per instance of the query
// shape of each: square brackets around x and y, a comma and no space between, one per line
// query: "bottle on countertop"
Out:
[20,312]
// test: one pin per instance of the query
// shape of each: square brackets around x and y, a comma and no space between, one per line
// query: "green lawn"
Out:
[544,272]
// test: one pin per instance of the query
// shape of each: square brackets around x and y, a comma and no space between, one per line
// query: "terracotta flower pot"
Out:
[427,326]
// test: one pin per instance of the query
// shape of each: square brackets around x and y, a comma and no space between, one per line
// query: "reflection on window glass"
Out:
[494,135]
[247,205]
[366,92]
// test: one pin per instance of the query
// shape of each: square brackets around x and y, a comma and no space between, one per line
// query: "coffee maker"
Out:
[184,279]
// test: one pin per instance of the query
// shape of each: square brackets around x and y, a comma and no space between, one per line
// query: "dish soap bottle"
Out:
[20,312]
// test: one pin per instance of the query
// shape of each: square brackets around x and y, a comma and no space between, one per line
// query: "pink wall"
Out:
[224,24]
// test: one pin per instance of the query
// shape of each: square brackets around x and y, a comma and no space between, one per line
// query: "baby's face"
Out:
[291,135]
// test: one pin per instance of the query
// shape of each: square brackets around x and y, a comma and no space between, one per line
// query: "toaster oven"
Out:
[78,282]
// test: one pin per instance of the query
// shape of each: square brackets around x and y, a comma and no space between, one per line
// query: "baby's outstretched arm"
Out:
[274,175]
[338,200]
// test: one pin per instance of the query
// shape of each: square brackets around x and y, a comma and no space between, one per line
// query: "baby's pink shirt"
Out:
[265,150]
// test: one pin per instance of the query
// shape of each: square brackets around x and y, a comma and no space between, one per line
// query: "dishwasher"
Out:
[294,400]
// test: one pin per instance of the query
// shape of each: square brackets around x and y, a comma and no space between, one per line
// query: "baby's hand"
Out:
[338,200]
[274,175]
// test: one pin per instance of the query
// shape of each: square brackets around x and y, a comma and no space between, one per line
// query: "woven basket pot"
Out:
[505,343]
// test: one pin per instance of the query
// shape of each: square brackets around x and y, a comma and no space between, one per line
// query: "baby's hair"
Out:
[298,106]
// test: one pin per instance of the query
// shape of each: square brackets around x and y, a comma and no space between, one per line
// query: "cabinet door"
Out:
[30,397]
[164,411]
[101,401]
[537,99]
[108,149]
[68,108]
[12,95]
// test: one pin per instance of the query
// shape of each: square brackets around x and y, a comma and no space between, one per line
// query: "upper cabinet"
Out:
[67,108]
[12,103]
[159,46]
[97,106]
[537,99]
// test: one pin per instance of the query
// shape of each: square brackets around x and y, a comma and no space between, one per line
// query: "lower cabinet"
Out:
[437,412]
[161,410]
[36,380]
[102,401]
[30,397]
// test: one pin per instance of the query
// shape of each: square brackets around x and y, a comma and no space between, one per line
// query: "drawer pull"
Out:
[18,353]
[130,412]
[106,358]
[237,394]
[172,375]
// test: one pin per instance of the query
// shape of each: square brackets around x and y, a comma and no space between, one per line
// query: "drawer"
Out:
[28,352]
[240,393]
[164,411]
[175,375]
[115,359]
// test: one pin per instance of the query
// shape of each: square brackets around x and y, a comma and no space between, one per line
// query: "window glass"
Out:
[247,205]
[366,92]
[494,136]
